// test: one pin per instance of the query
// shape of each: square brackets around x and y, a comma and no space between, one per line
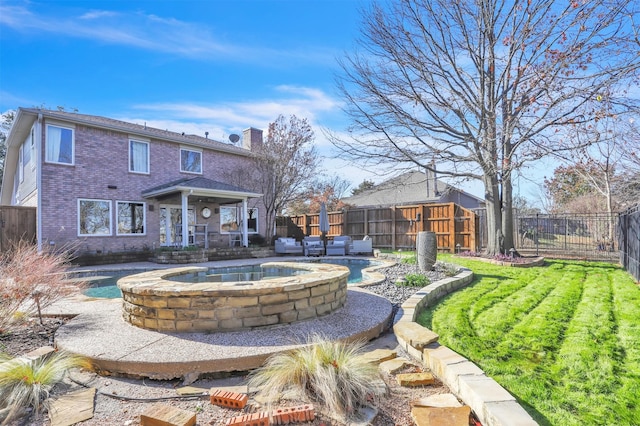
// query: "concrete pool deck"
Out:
[99,332]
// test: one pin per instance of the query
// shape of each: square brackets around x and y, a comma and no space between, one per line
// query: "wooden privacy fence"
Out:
[16,223]
[392,227]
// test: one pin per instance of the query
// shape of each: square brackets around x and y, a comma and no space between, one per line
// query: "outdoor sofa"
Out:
[288,246]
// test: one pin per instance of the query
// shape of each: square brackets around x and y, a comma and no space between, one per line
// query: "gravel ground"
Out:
[120,401]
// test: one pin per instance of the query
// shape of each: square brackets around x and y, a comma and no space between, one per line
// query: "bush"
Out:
[332,375]
[448,269]
[30,281]
[26,382]
[416,280]
[257,240]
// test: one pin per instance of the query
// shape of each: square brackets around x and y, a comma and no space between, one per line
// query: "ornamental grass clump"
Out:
[26,382]
[332,375]
[29,282]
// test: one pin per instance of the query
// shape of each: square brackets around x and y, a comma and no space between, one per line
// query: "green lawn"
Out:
[564,338]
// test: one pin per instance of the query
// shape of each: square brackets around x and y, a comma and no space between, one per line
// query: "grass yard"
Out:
[564,338]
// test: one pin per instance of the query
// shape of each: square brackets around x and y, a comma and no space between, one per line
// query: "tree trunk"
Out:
[507,215]
[495,238]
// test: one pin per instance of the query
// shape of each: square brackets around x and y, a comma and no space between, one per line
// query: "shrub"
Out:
[416,280]
[448,269]
[30,281]
[332,375]
[26,382]
[257,240]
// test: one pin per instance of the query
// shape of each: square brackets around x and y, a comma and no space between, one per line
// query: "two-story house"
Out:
[106,185]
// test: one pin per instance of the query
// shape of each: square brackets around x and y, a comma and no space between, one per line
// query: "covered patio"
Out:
[195,206]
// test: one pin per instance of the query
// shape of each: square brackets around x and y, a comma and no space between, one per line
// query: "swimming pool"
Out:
[103,284]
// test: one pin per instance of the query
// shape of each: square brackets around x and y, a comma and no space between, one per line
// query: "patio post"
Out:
[185,219]
[245,227]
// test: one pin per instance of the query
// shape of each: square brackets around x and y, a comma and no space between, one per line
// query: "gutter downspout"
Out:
[39,144]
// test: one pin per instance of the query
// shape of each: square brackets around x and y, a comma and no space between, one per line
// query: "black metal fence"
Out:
[564,236]
[629,240]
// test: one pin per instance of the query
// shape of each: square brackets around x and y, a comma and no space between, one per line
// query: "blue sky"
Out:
[187,66]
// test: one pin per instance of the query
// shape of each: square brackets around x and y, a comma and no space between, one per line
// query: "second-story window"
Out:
[59,145]
[138,156]
[190,161]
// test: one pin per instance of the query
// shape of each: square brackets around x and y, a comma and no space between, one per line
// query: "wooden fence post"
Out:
[366,222]
[393,228]
[452,228]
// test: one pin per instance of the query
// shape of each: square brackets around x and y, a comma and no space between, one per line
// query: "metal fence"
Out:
[629,240]
[563,236]
[568,235]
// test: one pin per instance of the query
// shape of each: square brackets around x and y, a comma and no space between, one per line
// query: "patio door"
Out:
[170,217]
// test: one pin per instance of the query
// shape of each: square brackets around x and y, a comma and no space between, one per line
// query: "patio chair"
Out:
[363,246]
[339,246]
[313,246]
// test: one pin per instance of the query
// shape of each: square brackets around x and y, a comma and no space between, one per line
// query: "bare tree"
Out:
[285,166]
[484,86]
[325,190]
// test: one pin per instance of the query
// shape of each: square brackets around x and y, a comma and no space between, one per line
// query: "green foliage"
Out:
[415,280]
[364,186]
[333,375]
[26,382]
[562,338]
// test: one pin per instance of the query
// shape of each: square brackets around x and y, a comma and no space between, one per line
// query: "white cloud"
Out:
[154,33]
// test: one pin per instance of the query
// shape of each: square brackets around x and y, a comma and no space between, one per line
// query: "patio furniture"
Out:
[288,246]
[198,235]
[339,246]
[361,246]
[313,246]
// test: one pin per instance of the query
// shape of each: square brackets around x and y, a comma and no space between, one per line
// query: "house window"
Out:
[190,161]
[138,157]
[130,218]
[59,145]
[94,217]
[231,220]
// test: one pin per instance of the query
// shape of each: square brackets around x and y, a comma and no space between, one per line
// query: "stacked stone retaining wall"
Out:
[153,302]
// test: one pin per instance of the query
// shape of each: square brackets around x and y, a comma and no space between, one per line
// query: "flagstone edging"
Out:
[493,404]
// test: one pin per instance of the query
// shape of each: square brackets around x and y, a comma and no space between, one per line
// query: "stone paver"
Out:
[442,400]
[415,379]
[379,355]
[166,415]
[438,416]
[394,365]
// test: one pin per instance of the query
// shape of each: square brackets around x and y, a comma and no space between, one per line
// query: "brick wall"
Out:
[101,171]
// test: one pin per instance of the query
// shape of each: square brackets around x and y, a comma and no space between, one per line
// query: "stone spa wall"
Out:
[153,302]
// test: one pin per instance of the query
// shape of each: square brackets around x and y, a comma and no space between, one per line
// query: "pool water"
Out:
[104,286]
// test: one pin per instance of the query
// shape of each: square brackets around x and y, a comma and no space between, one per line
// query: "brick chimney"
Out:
[252,139]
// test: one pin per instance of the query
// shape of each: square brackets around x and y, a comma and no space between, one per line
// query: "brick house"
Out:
[105,185]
